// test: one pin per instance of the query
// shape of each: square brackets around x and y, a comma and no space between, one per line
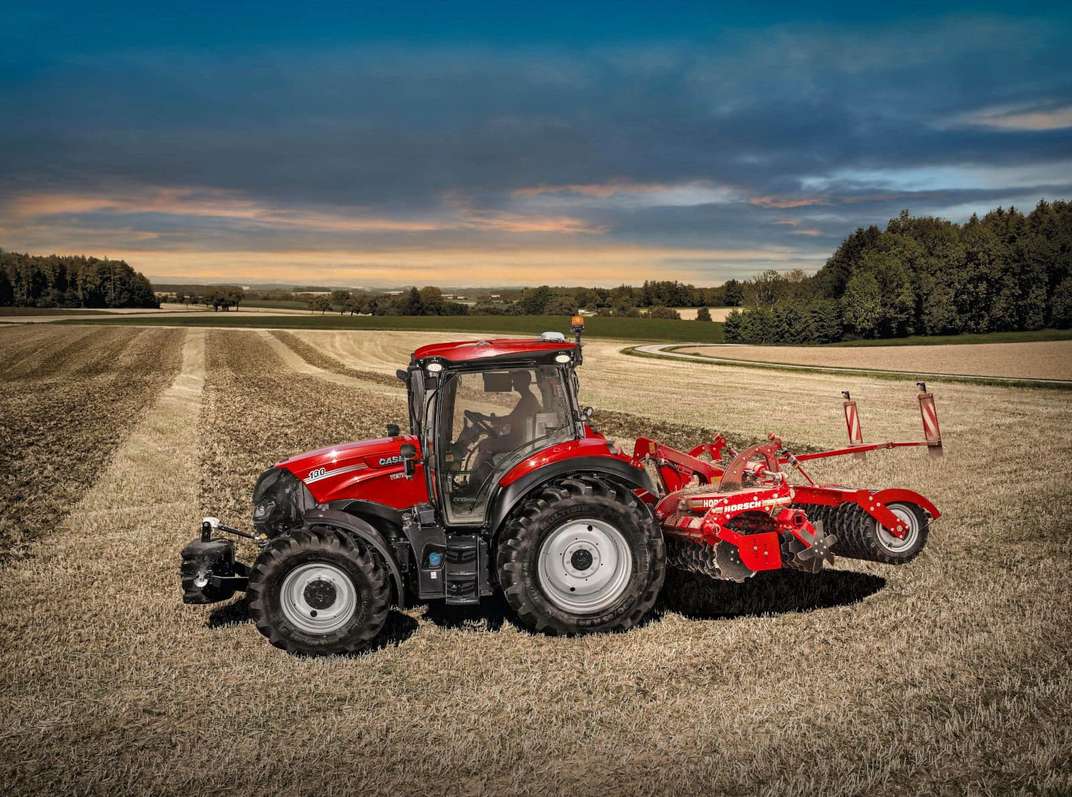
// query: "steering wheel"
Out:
[481,422]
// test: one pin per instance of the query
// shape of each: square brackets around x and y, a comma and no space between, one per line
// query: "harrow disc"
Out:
[713,562]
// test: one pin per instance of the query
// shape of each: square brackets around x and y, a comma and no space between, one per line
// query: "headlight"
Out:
[264,510]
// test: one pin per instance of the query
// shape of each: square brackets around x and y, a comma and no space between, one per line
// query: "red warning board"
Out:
[932,432]
[852,422]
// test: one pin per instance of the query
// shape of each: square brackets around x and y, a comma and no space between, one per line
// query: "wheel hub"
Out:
[584,566]
[582,559]
[911,522]
[318,598]
[319,594]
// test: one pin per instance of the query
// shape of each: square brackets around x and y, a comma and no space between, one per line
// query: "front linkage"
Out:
[209,571]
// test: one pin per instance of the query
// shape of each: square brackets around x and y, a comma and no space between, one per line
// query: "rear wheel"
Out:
[581,555]
[317,591]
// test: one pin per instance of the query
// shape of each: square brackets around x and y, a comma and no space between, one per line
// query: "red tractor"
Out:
[504,485]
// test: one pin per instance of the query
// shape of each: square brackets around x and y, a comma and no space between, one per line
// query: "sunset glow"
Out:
[461,148]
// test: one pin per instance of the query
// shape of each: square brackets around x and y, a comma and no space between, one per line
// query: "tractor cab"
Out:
[480,408]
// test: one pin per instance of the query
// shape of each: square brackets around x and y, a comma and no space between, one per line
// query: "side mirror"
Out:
[403,375]
[587,412]
[393,430]
[408,451]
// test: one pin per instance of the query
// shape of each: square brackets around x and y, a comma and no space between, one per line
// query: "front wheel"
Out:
[581,555]
[317,592]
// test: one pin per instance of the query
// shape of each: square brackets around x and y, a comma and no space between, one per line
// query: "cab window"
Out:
[489,422]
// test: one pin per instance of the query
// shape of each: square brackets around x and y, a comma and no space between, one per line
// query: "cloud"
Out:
[1018,118]
[629,194]
[227,206]
[786,202]
[649,146]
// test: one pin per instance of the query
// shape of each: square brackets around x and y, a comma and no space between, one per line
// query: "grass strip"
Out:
[629,328]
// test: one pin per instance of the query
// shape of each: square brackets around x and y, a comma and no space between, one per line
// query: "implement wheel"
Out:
[317,592]
[860,536]
[581,555]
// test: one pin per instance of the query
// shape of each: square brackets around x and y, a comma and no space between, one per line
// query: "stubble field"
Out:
[945,676]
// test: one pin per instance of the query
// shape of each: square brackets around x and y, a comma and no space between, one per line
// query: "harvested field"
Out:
[257,413]
[949,675]
[1036,360]
[66,398]
[803,407]
[317,358]
[717,313]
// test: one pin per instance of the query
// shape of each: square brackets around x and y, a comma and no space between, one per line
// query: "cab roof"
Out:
[498,349]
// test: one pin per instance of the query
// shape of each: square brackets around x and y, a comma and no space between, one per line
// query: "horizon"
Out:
[500,147]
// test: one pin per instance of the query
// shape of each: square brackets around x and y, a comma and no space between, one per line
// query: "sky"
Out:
[478,144]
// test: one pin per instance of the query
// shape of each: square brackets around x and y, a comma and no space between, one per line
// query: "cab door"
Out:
[488,421]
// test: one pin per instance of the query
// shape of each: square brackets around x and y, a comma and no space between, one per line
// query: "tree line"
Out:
[71,281]
[541,300]
[654,298]
[423,301]
[220,297]
[922,276]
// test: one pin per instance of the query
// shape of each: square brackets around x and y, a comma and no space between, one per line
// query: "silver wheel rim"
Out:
[896,544]
[584,566]
[318,598]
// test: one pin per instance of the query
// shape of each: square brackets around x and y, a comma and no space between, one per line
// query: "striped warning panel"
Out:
[932,432]
[852,422]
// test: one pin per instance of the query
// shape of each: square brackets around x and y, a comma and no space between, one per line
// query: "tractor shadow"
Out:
[697,597]
[396,630]
[766,593]
[691,595]
[489,616]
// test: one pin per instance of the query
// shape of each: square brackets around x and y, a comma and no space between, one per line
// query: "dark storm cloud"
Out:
[830,118]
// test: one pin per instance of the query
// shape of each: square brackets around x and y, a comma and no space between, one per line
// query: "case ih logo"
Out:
[391,460]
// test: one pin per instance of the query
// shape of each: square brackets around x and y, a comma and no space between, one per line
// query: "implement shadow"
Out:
[766,593]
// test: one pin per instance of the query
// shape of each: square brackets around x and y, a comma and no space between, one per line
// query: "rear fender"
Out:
[366,532]
[620,470]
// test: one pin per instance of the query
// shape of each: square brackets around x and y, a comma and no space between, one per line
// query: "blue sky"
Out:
[495,144]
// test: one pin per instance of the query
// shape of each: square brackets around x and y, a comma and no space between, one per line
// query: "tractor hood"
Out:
[313,466]
[366,469]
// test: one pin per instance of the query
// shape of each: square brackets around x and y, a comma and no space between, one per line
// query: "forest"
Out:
[922,276]
[71,281]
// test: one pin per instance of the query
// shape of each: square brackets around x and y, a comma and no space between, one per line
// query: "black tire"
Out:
[345,558]
[546,512]
[860,536]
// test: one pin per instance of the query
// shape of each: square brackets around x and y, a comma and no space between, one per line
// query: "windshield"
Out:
[416,400]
